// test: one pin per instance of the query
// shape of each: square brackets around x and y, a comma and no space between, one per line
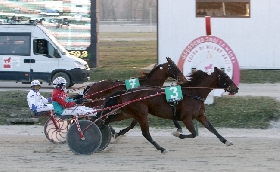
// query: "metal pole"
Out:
[94,29]
[196,127]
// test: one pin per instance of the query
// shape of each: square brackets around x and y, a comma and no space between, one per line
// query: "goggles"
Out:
[37,87]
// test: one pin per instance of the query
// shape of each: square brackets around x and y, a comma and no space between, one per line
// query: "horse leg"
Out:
[118,117]
[146,133]
[190,127]
[204,121]
[125,130]
[178,126]
[175,118]
[113,131]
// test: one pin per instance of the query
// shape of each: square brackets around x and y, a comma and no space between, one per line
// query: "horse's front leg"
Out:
[189,125]
[146,133]
[178,126]
[117,117]
[204,121]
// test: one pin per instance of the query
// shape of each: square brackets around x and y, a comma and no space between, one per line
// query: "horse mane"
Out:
[195,78]
[143,75]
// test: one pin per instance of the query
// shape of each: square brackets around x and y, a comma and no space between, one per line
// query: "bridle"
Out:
[172,73]
[227,82]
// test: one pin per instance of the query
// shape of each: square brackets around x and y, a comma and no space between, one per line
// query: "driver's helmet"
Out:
[35,85]
[60,83]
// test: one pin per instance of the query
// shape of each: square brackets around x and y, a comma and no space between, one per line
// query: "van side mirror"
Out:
[56,54]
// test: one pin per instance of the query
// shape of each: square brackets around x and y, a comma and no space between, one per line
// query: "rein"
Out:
[75,89]
[104,90]
[203,87]
[101,99]
[118,106]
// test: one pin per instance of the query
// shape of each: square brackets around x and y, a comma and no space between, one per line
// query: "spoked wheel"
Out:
[53,134]
[91,134]
[106,136]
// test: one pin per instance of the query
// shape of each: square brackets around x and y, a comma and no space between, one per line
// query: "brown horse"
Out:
[97,92]
[138,103]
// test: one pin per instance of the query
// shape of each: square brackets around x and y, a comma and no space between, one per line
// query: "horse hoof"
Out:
[229,143]
[176,133]
[180,130]
[115,135]
[164,151]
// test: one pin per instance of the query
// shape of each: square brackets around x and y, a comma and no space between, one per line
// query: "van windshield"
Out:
[57,44]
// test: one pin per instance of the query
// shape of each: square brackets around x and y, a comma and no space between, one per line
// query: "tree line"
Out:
[130,10]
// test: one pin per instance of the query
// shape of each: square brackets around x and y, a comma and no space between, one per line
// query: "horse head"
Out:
[225,82]
[161,72]
[174,72]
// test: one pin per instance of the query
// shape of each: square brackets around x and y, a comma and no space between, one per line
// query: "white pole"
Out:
[69,44]
[224,9]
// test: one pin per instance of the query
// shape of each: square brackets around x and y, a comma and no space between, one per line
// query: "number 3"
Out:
[175,91]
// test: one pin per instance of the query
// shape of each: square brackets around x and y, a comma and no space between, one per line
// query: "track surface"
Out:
[25,148]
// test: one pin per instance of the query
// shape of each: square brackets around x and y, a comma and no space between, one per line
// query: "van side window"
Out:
[15,44]
[40,46]
[51,50]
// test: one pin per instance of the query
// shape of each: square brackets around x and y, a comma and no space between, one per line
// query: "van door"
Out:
[15,49]
[44,59]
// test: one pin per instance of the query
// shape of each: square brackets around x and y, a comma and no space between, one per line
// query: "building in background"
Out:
[249,28]
[244,34]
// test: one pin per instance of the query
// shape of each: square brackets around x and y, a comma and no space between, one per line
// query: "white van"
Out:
[29,51]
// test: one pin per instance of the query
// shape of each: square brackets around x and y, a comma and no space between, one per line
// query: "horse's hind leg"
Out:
[125,130]
[146,133]
[204,121]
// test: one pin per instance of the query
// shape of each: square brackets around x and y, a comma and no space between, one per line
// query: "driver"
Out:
[41,48]
[37,102]
[63,105]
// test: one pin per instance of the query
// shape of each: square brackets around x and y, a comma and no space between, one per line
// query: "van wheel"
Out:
[65,76]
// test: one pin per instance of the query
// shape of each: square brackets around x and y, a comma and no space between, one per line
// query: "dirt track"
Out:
[25,148]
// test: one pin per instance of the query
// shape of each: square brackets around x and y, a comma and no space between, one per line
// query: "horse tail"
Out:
[111,101]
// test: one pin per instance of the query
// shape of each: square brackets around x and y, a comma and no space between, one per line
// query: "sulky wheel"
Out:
[90,143]
[53,134]
[106,136]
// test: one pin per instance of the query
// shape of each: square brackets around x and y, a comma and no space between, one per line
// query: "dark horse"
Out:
[138,103]
[97,92]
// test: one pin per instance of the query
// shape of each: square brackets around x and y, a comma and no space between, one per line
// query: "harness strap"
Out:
[195,97]
[175,117]
[198,98]
[118,106]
